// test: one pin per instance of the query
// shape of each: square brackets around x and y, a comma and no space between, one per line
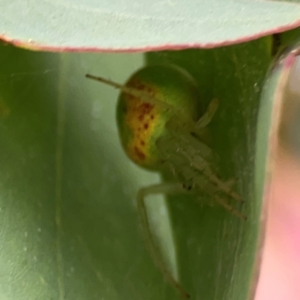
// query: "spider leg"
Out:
[196,154]
[226,187]
[201,183]
[230,182]
[230,208]
[161,188]
[193,153]
[207,117]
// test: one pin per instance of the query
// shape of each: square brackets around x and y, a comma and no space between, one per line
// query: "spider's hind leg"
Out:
[229,207]
[201,183]
[161,188]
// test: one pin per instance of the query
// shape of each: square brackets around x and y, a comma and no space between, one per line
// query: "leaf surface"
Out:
[65,25]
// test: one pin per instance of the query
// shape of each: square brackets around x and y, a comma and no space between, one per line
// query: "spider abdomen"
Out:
[166,91]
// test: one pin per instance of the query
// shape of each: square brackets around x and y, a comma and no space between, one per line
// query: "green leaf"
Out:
[142,25]
[219,254]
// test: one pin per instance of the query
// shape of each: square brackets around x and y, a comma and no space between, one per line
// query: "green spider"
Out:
[161,129]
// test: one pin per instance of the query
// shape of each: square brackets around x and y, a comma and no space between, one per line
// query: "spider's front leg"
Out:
[199,184]
[161,188]
[208,115]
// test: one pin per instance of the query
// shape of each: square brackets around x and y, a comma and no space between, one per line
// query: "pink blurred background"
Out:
[280,273]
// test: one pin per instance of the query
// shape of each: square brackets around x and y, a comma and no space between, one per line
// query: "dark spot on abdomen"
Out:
[139,153]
